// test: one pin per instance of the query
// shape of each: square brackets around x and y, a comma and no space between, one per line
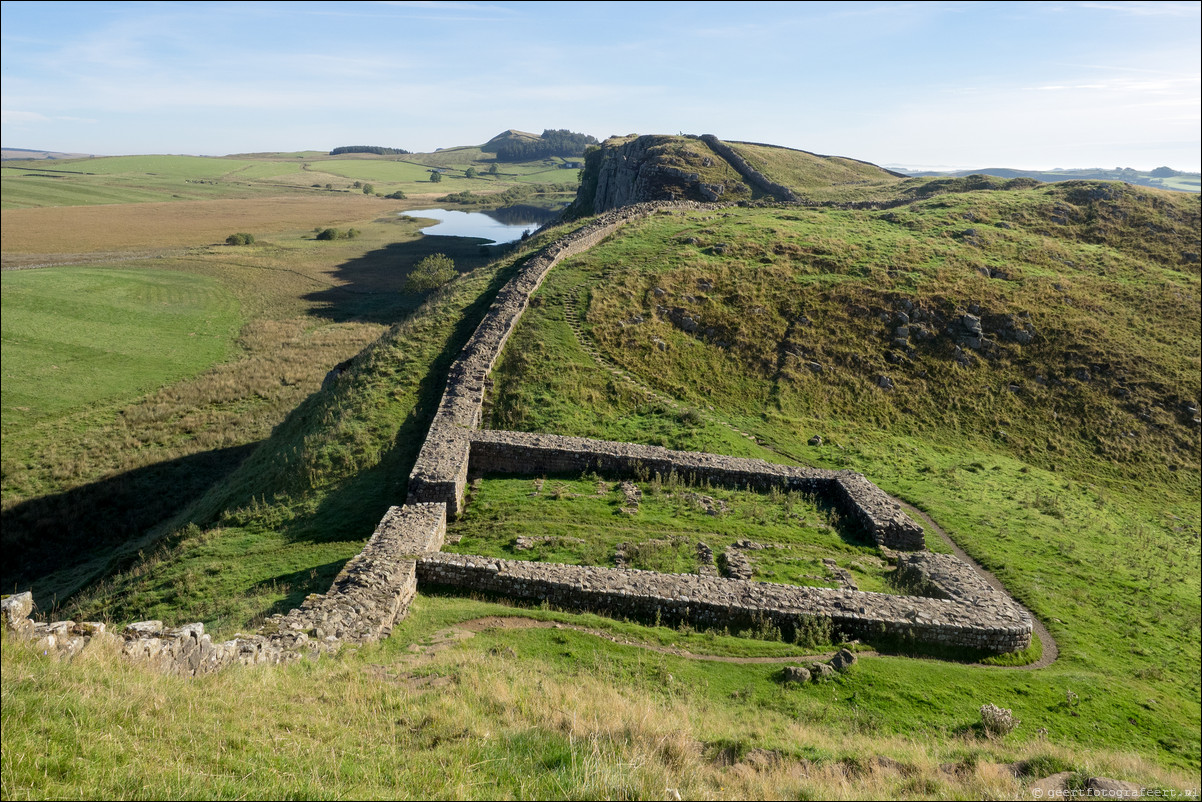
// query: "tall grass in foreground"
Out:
[517,715]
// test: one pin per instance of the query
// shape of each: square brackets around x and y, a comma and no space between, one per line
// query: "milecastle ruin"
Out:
[373,591]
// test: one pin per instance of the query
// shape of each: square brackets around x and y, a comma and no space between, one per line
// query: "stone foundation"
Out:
[989,621]
[534,454]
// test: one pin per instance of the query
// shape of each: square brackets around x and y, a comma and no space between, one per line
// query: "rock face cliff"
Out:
[655,168]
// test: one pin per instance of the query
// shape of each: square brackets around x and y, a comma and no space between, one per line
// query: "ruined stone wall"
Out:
[853,495]
[441,469]
[368,596]
[988,620]
[750,174]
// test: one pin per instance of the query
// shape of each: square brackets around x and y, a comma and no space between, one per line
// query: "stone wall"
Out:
[985,620]
[368,596]
[750,174]
[855,496]
[441,468]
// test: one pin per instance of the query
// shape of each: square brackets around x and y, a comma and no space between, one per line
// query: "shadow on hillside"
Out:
[373,289]
[353,511]
[56,533]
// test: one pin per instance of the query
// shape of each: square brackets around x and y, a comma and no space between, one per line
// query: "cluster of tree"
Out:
[398,195]
[241,238]
[333,233]
[431,273]
[553,142]
[379,151]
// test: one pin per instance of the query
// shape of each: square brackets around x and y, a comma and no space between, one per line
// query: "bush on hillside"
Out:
[431,273]
[240,238]
[398,195]
[333,233]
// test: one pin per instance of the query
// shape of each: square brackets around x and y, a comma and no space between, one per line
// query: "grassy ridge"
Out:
[1081,494]
[1098,536]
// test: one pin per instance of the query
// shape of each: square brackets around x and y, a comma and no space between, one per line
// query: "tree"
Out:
[240,238]
[492,169]
[470,172]
[435,176]
[1164,172]
[431,273]
[398,195]
[368,189]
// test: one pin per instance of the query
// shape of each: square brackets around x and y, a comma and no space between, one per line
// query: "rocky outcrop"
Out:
[643,170]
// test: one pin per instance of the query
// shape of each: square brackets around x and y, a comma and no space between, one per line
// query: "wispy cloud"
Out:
[15,117]
[1146,9]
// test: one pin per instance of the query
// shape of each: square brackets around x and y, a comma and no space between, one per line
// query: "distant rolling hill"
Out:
[1161,177]
[7,154]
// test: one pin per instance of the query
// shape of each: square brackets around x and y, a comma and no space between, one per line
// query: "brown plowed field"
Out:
[136,226]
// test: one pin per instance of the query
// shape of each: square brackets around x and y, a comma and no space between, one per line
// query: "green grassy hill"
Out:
[1020,362]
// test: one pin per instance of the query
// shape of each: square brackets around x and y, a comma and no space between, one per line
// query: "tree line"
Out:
[553,142]
[376,149]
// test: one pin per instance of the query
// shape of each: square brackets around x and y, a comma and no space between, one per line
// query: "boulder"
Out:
[843,661]
[796,674]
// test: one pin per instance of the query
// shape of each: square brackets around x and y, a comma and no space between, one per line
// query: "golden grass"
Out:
[133,226]
[466,723]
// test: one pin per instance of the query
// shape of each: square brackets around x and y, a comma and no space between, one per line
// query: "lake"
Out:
[498,226]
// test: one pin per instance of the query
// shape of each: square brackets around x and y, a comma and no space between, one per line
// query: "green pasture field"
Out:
[581,522]
[134,179]
[77,336]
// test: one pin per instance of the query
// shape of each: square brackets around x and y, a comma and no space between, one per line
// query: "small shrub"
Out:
[327,234]
[431,273]
[398,195]
[240,238]
[999,721]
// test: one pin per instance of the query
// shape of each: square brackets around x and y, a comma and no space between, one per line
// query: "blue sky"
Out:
[1036,85]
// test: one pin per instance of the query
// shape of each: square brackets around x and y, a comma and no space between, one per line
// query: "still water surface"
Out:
[498,226]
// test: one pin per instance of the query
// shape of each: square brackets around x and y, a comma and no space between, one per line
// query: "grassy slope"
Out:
[513,714]
[95,475]
[810,174]
[1082,495]
[305,501]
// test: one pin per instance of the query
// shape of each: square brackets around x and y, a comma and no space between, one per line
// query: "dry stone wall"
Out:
[368,596]
[986,620]
[526,454]
[440,473]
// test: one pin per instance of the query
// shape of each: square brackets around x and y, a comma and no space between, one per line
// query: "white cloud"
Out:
[1147,9]
[15,117]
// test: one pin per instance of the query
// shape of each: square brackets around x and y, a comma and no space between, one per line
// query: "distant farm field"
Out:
[91,229]
[76,336]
